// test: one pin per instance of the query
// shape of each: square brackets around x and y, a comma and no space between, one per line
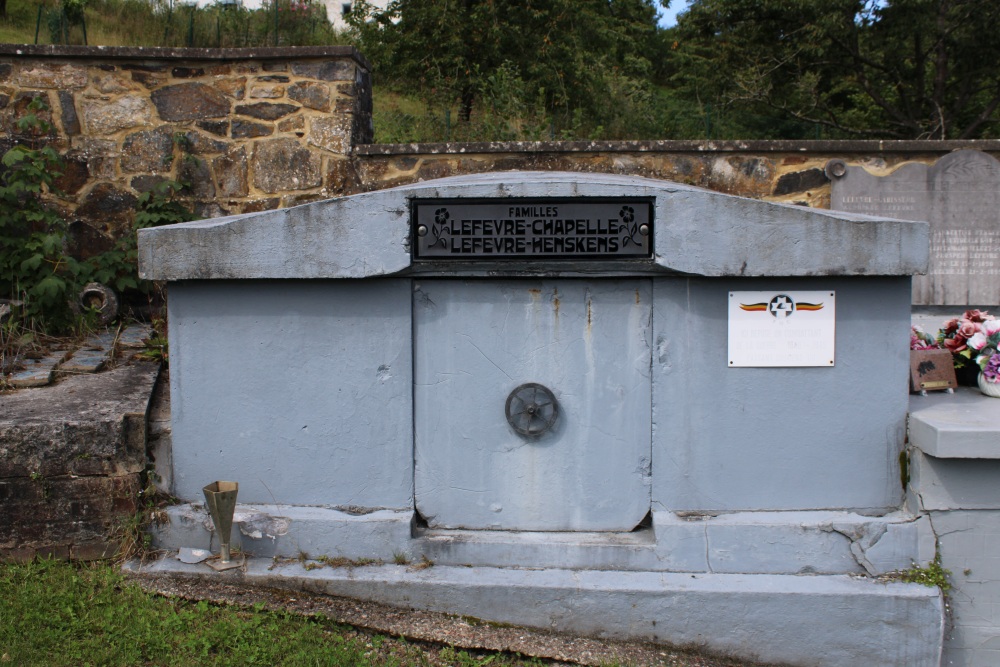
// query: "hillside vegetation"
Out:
[602,69]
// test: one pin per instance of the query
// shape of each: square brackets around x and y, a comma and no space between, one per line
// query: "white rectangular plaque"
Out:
[791,328]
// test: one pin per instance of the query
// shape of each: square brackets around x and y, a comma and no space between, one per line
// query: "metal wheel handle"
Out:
[531,409]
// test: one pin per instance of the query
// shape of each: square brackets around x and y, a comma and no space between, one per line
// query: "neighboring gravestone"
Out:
[960,197]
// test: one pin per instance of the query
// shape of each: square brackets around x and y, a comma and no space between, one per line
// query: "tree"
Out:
[908,69]
[575,56]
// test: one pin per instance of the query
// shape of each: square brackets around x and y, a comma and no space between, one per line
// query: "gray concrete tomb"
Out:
[523,378]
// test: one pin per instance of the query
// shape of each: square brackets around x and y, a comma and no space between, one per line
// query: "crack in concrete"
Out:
[476,347]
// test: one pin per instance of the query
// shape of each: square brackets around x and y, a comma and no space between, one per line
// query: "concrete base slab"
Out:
[266,531]
[801,620]
[741,543]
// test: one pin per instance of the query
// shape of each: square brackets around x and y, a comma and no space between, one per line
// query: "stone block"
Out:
[198,144]
[75,174]
[799,181]
[84,361]
[108,204]
[259,205]
[283,164]
[333,70]
[51,75]
[44,511]
[231,173]
[295,123]
[83,241]
[341,177]
[70,121]
[235,88]
[244,129]
[148,151]
[331,133]
[266,110]
[219,128]
[195,173]
[311,95]
[111,83]
[189,101]
[146,183]
[105,118]
[37,372]
[267,92]
[85,425]
[149,80]
[187,72]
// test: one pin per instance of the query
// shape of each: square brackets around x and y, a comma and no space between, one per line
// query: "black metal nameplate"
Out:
[591,228]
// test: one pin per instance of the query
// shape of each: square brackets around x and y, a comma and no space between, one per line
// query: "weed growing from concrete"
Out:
[933,575]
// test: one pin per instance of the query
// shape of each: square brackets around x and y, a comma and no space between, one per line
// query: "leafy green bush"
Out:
[34,266]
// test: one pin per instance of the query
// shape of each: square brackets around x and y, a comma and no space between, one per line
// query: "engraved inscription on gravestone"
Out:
[581,228]
[960,197]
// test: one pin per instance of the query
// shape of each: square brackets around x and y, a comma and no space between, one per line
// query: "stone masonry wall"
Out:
[785,171]
[256,129]
[244,129]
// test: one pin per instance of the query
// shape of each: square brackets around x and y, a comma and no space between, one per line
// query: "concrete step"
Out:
[826,621]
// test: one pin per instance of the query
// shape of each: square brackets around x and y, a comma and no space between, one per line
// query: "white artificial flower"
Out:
[978,341]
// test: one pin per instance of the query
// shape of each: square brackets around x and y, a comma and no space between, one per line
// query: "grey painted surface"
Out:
[697,231]
[963,425]
[740,543]
[957,488]
[586,341]
[970,548]
[954,484]
[729,439]
[960,196]
[818,620]
[301,392]
[265,531]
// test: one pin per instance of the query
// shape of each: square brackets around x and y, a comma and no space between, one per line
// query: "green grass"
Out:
[56,613]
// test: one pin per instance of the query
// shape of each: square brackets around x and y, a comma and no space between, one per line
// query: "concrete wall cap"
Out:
[697,232]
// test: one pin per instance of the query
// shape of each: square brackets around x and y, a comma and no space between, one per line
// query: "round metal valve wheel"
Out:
[531,409]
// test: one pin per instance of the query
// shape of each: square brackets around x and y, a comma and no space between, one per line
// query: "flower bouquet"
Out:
[973,341]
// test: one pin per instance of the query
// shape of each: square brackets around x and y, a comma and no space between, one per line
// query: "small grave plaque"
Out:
[960,197]
[931,370]
[792,328]
[583,228]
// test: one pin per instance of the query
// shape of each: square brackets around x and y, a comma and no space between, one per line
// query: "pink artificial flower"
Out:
[977,315]
[955,344]
[967,329]
[950,327]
